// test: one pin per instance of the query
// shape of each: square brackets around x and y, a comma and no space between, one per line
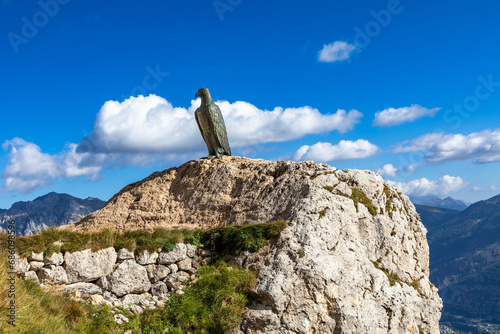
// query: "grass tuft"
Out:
[135,241]
[235,239]
[359,196]
[388,203]
[213,304]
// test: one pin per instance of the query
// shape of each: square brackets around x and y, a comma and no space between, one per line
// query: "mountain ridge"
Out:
[465,260]
[436,202]
[52,209]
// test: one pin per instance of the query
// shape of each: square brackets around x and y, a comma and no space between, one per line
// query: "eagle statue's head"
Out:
[202,92]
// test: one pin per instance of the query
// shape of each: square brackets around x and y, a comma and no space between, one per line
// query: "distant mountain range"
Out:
[436,202]
[465,258]
[52,209]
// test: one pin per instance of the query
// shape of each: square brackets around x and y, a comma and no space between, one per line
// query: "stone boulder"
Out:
[178,254]
[36,256]
[157,272]
[135,298]
[125,254]
[52,275]
[159,289]
[129,277]
[36,265]
[174,281]
[20,264]
[146,257]
[30,275]
[87,266]
[85,289]
[55,259]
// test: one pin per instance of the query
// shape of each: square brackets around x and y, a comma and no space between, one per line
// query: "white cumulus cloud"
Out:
[423,187]
[344,150]
[152,125]
[29,168]
[388,170]
[480,147]
[336,51]
[143,130]
[396,116]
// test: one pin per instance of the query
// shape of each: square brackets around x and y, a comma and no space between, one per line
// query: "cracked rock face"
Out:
[354,258]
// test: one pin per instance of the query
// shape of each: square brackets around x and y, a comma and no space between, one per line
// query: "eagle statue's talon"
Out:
[211,125]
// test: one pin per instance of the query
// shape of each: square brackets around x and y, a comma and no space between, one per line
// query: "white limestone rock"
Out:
[186,265]
[120,319]
[323,274]
[159,289]
[87,266]
[36,265]
[129,277]
[85,289]
[20,264]
[36,256]
[174,281]
[30,275]
[157,272]
[55,259]
[135,298]
[191,250]
[125,254]
[178,254]
[146,257]
[52,275]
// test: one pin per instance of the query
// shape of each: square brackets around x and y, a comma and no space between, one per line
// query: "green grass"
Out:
[359,196]
[415,284]
[232,239]
[388,203]
[329,188]
[393,278]
[235,239]
[213,304]
[134,241]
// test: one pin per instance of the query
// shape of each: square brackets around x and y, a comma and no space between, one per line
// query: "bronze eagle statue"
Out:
[212,127]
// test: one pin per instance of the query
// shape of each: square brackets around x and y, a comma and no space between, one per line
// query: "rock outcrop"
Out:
[354,258]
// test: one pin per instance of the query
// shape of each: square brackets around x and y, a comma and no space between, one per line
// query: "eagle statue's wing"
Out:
[220,127]
[199,126]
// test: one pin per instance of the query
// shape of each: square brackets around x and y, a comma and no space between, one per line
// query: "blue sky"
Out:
[96,95]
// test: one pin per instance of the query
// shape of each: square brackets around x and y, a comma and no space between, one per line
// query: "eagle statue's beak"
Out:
[197,94]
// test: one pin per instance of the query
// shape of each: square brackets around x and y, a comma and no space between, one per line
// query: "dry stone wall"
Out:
[116,278]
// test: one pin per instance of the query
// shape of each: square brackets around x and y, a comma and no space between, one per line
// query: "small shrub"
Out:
[322,213]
